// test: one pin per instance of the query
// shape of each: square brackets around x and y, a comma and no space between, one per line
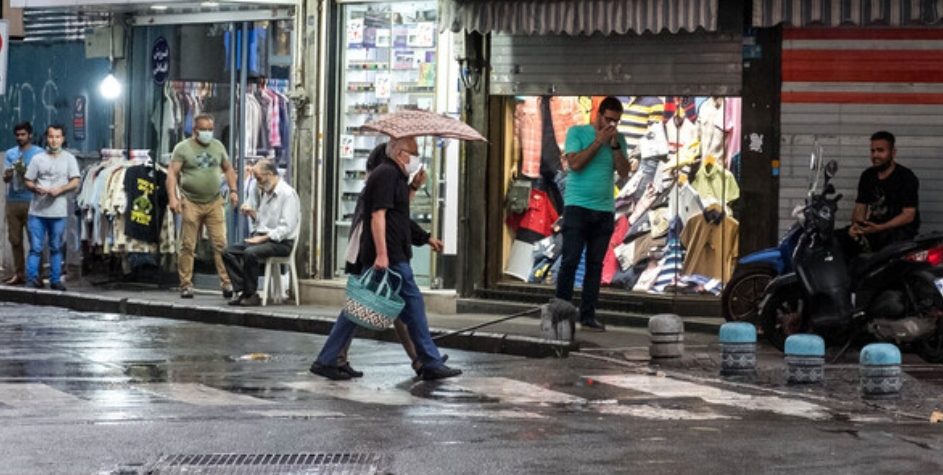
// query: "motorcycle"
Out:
[741,296]
[894,295]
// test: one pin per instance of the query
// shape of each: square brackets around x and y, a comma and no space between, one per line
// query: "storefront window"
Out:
[200,72]
[676,227]
[388,63]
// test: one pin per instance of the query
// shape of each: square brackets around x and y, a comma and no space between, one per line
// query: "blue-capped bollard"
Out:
[667,336]
[738,349]
[879,371]
[805,359]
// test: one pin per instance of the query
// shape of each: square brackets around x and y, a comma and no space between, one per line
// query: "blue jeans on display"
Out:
[39,228]
[591,229]
[413,315]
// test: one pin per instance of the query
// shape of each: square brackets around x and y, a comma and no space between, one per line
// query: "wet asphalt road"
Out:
[86,393]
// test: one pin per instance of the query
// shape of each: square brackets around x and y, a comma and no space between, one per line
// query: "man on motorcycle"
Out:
[886,206]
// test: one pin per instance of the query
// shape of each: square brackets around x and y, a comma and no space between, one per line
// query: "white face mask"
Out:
[414,164]
[204,136]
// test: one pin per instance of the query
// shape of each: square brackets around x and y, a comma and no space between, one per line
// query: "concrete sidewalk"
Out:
[520,336]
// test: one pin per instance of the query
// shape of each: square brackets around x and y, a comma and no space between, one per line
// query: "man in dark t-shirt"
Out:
[886,206]
[386,244]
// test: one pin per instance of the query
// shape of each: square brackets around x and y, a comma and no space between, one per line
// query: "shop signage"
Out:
[78,117]
[160,61]
[4,46]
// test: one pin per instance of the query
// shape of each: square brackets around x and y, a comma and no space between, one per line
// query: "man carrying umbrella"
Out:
[386,243]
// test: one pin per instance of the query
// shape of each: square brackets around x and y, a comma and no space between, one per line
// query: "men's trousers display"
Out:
[591,229]
[413,315]
[213,217]
[17,216]
[39,228]
[244,262]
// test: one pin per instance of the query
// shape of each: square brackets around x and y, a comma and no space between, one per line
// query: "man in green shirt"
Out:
[196,167]
[592,151]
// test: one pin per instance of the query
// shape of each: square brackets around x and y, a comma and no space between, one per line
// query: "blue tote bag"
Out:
[374,304]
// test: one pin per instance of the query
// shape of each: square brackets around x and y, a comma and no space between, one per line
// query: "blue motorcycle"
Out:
[741,297]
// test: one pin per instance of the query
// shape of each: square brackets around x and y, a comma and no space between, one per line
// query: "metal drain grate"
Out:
[300,463]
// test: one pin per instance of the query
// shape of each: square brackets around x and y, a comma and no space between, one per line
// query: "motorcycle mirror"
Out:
[831,168]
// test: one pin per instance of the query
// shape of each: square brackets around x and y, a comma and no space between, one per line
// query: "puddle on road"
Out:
[450,393]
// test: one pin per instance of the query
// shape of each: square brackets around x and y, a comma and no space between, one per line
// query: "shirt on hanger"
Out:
[528,126]
[715,182]
[712,248]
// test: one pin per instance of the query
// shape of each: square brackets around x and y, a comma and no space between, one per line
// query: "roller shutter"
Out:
[840,86]
[681,64]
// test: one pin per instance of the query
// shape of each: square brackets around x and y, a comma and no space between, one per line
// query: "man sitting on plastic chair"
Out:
[276,211]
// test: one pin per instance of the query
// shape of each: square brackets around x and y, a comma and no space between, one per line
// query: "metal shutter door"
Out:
[840,86]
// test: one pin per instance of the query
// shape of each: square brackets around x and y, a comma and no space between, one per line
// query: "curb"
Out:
[617,319]
[483,342]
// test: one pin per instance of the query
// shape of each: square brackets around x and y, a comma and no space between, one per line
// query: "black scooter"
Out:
[894,295]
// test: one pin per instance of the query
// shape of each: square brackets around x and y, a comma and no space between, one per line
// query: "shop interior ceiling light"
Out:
[110,87]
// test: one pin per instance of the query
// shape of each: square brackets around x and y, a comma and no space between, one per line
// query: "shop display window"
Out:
[388,63]
[676,228]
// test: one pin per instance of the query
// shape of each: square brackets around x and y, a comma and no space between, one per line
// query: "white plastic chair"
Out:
[272,281]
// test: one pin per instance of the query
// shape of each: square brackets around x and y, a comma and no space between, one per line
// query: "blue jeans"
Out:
[413,315]
[591,229]
[38,229]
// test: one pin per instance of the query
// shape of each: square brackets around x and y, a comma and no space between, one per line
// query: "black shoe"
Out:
[593,326]
[227,292]
[186,293]
[251,301]
[57,286]
[418,368]
[36,284]
[346,368]
[236,301]
[330,372]
[441,372]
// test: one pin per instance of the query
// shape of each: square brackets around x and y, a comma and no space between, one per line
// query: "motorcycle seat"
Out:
[866,262]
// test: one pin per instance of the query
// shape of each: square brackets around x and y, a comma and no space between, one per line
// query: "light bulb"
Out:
[110,88]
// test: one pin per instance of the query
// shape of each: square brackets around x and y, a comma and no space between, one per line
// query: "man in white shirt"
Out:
[277,218]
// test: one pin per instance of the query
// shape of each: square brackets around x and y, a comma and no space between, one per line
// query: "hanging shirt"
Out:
[637,114]
[712,248]
[146,202]
[716,183]
[732,127]
[528,126]
[275,139]
[679,136]
[711,128]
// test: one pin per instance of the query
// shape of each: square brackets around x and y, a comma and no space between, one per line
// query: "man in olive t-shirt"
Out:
[195,170]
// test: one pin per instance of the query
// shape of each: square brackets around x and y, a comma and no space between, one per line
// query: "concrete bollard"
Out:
[805,359]
[738,349]
[667,336]
[879,371]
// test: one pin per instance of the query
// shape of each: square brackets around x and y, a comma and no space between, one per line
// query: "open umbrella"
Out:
[415,123]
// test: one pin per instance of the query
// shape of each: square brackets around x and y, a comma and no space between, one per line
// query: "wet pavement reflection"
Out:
[99,391]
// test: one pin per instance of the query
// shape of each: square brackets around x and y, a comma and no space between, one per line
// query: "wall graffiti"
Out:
[43,91]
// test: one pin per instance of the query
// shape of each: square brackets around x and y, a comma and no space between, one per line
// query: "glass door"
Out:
[388,63]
